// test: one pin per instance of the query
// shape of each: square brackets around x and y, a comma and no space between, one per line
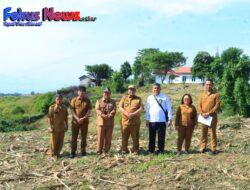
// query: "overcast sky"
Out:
[54,55]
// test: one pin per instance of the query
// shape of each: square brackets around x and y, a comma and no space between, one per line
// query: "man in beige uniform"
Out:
[58,125]
[131,107]
[105,109]
[208,104]
[80,107]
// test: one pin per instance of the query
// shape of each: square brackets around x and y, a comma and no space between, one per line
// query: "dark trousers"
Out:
[75,131]
[160,128]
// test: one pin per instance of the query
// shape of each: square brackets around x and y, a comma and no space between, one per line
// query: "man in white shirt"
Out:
[159,115]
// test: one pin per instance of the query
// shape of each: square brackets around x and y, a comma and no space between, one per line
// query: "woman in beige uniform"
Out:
[185,121]
[58,125]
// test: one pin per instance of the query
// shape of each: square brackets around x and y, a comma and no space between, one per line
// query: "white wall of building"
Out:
[86,82]
[187,78]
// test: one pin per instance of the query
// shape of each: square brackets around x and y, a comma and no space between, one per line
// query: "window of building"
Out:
[184,78]
[193,79]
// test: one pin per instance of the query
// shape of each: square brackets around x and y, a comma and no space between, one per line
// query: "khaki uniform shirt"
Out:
[186,115]
[80,106]
[131,104]
[58,116]
[209,104]
[105,107]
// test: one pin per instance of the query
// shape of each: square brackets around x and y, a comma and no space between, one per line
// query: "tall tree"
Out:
[241,93]
[99,72]
[235,82]
[118,82]
[141,68]
[216,70]
[162,62]
[126,70]
[202,65]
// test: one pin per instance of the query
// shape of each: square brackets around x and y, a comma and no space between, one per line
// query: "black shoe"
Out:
[124,152]
[136,152]
[98,153]
[159,152]
[84,153]
[73,155]
[215,152]
[150,152]
[203,151]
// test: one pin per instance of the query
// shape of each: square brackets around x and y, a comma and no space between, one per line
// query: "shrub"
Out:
[118,82]
[42,102]
[18,110]
[10,126]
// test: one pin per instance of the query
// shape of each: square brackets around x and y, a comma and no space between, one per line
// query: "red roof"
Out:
[178,71]
[183,70]
[172,72]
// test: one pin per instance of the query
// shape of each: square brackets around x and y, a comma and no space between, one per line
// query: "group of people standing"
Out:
[159,116]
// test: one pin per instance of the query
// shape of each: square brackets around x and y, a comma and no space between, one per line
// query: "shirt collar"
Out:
[79,98]
[206,93]
[159,95]
[131,96]
[105,100]
[187,106]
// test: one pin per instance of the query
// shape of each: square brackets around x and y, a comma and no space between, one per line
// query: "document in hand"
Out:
[205,121]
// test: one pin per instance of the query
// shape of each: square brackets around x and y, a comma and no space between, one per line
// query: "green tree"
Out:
[217,70]
[118,82]
[202,65]
[141,69]
[235,85]
[126,70]
[227,83]
[172,77]
[43,101]
[162,62]
[99,72]
[241,89]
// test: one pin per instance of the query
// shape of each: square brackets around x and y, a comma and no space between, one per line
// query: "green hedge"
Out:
[43,101]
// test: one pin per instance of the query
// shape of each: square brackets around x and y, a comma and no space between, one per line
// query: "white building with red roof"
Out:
[179,75]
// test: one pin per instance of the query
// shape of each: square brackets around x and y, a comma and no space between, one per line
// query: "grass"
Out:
[152,164]
[16,113]
[9,104]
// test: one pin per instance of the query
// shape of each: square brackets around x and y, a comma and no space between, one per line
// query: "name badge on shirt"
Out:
[160,101]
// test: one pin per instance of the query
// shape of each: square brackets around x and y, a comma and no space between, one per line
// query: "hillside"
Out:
[25,162]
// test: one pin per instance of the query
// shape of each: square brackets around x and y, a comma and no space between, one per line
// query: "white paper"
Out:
[206,121]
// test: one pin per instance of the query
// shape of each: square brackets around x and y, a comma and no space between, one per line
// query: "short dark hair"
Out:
[157,84]
[182,99]
[211,80]
[107,89]
[82,88]
[59,96]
